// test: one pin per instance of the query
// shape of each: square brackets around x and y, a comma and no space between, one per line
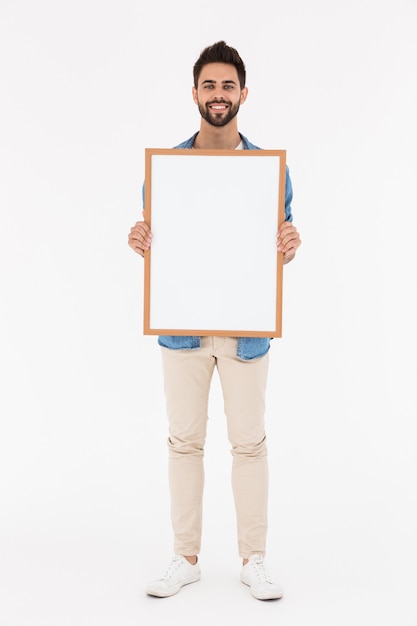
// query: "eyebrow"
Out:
[224,82]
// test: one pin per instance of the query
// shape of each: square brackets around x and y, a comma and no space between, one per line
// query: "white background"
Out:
[85,87]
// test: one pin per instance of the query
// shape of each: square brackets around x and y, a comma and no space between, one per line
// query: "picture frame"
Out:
[213,267]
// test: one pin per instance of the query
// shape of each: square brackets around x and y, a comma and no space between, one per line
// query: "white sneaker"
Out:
[255,575]
[179,573]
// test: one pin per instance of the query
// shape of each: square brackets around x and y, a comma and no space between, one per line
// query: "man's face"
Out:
[218,94]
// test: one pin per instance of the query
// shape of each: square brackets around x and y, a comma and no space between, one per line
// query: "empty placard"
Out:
[213,267]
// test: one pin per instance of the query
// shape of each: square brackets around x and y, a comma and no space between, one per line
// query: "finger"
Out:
[141,234]
[139,247]
[284,230]
[137,225]
[288,256]
[139,251]
[140,227]
[292,244]
[136,247]
[285,226]
[138,242]
[288,237]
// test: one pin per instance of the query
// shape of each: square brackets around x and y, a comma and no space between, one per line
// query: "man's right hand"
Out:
[140,238]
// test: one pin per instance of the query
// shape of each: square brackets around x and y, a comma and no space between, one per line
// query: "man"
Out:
[242,364]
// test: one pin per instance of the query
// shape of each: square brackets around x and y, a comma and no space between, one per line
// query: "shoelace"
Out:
[261,571]
[172,568]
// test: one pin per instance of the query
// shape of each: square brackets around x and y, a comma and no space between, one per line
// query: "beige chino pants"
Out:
[187,379]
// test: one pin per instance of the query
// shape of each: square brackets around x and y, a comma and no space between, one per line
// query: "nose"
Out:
[218,96]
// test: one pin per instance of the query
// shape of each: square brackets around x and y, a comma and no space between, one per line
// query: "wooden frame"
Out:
[213,267]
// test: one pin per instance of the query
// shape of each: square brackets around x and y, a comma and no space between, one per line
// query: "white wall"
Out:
[85,87]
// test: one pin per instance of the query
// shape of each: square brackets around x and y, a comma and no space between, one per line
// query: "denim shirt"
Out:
[248,348]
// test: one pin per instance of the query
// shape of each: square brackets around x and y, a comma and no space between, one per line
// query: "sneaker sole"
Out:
[268,596]
[166,593]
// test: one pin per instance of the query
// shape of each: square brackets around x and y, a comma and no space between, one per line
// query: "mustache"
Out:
[218,102]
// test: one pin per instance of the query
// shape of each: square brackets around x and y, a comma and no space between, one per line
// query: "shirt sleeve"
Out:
[288,196]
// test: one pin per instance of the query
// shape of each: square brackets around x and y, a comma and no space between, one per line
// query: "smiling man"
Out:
[217,95]
[242,364]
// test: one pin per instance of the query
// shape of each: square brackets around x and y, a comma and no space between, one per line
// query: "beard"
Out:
[218,119]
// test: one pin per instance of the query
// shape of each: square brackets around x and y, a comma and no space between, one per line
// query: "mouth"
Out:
[218,107]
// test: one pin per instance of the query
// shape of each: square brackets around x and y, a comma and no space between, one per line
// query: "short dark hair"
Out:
[220,52]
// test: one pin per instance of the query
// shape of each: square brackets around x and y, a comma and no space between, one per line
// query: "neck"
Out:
[213,138]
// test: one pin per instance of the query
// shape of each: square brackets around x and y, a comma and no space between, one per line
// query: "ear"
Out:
[195,97]
[243,95]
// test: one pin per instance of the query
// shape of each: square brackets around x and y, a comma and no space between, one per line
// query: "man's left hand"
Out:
[288,240]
